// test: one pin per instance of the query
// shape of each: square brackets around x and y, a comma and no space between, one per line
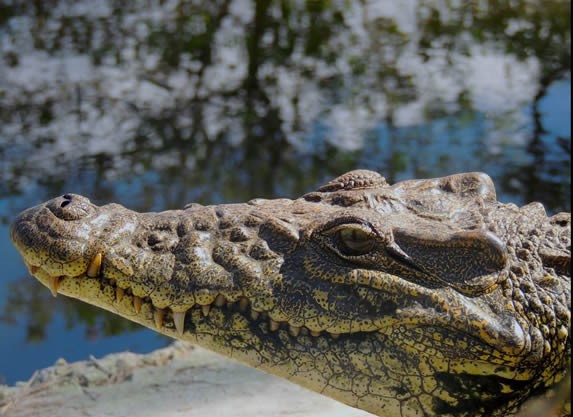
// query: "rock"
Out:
[179,380]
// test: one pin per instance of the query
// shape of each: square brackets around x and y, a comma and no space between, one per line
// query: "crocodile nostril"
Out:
[70,207]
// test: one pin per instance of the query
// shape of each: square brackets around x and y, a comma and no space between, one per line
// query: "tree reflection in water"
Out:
[156,104]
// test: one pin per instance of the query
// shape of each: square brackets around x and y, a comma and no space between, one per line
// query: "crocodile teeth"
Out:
[314,333]
[137,303]
[179,320]
[220,301]
[95,266]
[334,335]
[119,293]
[294,330]
[274,325]
[243,304]
[54,284]
[255,314]
[206,309]
[158,317]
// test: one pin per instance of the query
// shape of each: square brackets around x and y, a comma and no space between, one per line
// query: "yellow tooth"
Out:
[119,293]
[95,266]
[294,330]
[137,303]
[334,335]
[274,325]
[255,314]
[314,333]
[158,317]
[220,301]
[206,309]
[243,304]
[179,320]
[54,284]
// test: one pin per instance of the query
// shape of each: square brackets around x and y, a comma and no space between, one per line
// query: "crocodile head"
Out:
[423,298]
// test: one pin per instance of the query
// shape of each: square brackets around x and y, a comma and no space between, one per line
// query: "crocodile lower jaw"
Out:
[172,322]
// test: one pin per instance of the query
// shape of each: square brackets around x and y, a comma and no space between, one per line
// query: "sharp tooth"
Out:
[314,333]
[206,309]
[119,293]
[137,303]
[243,304]
[220,301]
[54,284]
[255,314]
[304,331]
[179,320]
[294,330]
[95,266]
[158,317]
[274,325]
[335,335]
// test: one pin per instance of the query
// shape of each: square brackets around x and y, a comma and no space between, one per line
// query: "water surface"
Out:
[156,104]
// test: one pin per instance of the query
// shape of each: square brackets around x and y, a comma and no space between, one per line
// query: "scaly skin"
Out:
[423,298]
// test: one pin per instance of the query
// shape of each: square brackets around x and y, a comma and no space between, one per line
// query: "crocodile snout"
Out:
[53,239]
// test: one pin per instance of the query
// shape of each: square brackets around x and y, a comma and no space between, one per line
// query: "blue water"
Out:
[556,109]
[20,357]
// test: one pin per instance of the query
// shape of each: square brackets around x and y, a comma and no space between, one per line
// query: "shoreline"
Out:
[175,381]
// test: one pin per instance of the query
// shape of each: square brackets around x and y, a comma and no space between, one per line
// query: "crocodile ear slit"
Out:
[470,261]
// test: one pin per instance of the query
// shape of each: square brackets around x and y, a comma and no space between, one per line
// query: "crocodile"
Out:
[421,298]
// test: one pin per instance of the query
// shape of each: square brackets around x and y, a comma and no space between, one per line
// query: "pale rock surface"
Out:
[180,380]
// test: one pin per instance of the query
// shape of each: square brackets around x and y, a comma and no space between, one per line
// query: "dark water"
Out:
[155,104]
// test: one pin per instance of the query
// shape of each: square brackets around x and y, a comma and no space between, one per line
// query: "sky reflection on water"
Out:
[158,104]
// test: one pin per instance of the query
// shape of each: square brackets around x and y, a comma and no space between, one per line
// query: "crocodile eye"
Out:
[355,240]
